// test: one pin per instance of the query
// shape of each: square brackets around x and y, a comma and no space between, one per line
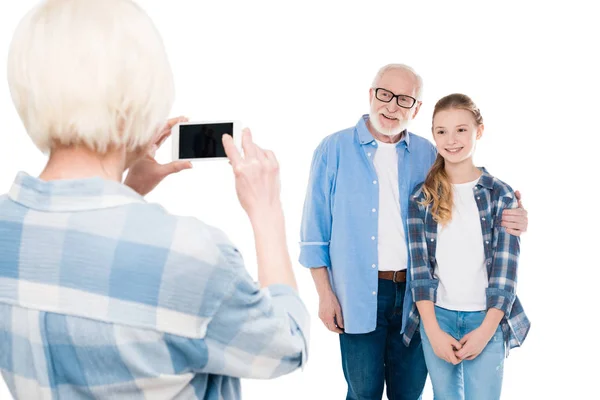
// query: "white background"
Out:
[296,72]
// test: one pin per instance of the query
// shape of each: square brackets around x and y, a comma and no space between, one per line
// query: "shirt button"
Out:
[369,154]
[483,219]
[374,144]
[432,239]
[373,210]
[374,182]
[372,237]
[374,293]
[478,198]
[373,266]
[487,242]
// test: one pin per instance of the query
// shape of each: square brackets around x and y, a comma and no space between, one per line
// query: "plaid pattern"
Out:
[501,256]
[105,296]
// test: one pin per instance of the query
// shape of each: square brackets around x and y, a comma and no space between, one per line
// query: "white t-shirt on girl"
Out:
[461,269]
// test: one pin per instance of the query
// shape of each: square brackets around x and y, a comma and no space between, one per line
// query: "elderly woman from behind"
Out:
[102,294]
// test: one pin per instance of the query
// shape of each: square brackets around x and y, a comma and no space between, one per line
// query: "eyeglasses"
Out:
[402,100]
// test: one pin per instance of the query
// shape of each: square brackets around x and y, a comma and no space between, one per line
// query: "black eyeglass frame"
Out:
[397,96]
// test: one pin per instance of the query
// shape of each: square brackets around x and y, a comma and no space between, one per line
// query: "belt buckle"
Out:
[394,277]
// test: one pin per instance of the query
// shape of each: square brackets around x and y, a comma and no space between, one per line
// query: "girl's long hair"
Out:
[437,188]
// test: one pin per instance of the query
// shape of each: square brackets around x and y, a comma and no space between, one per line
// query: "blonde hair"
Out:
[88,72]
[437,188]
[404,67]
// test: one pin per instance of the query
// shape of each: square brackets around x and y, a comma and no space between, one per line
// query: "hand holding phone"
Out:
[256,178]
[202,141]
[258,189]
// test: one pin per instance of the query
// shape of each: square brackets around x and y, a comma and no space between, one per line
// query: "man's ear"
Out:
[417,108]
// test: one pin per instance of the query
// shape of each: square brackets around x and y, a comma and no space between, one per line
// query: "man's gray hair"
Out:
[404,67]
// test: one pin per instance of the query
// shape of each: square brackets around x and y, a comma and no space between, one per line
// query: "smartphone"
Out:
[202,141]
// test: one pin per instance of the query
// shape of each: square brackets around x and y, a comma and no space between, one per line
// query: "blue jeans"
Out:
[371,358]
[478,379]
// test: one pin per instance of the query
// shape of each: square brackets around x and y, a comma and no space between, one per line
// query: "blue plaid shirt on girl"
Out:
[501,251]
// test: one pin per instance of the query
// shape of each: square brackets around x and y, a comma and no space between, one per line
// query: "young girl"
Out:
[463,268]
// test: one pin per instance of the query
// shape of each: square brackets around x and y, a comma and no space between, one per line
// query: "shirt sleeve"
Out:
[502,282]
[422,283]
[256,332]
[433,154]
[315,231]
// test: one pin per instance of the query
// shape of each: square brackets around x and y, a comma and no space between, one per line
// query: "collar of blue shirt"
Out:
[365,137]
[70,194]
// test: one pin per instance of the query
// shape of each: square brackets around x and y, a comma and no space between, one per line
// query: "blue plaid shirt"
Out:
[501,257]
[105,296]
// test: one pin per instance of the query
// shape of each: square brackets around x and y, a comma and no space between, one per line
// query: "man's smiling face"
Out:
[388,118]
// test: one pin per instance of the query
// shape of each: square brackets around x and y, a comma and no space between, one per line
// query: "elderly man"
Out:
[353,237]
[106,296]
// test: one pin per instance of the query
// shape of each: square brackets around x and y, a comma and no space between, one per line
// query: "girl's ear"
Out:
[479,131]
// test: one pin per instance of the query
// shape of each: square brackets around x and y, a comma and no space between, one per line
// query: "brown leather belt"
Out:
[395,276]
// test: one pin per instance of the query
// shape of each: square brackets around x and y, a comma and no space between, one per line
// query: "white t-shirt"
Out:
[391,245]
[460,255]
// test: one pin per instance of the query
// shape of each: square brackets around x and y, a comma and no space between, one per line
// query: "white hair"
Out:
[404,67]
[89,72]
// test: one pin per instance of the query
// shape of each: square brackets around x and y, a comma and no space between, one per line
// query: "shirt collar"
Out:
[485,180]
[70,194]
[365,137]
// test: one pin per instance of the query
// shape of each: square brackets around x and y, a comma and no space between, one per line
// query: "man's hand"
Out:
[444,345]
[473,343]
[146,173]
[515,219]
[330,312]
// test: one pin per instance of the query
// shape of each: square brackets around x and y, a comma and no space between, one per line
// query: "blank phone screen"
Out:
[203,141]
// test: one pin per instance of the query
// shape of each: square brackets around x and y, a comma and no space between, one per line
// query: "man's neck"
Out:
[79,163]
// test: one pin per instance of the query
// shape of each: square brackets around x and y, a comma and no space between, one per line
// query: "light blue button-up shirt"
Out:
[339,230]
[106,296]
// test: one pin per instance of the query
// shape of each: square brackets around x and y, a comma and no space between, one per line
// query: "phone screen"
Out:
[203,141]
